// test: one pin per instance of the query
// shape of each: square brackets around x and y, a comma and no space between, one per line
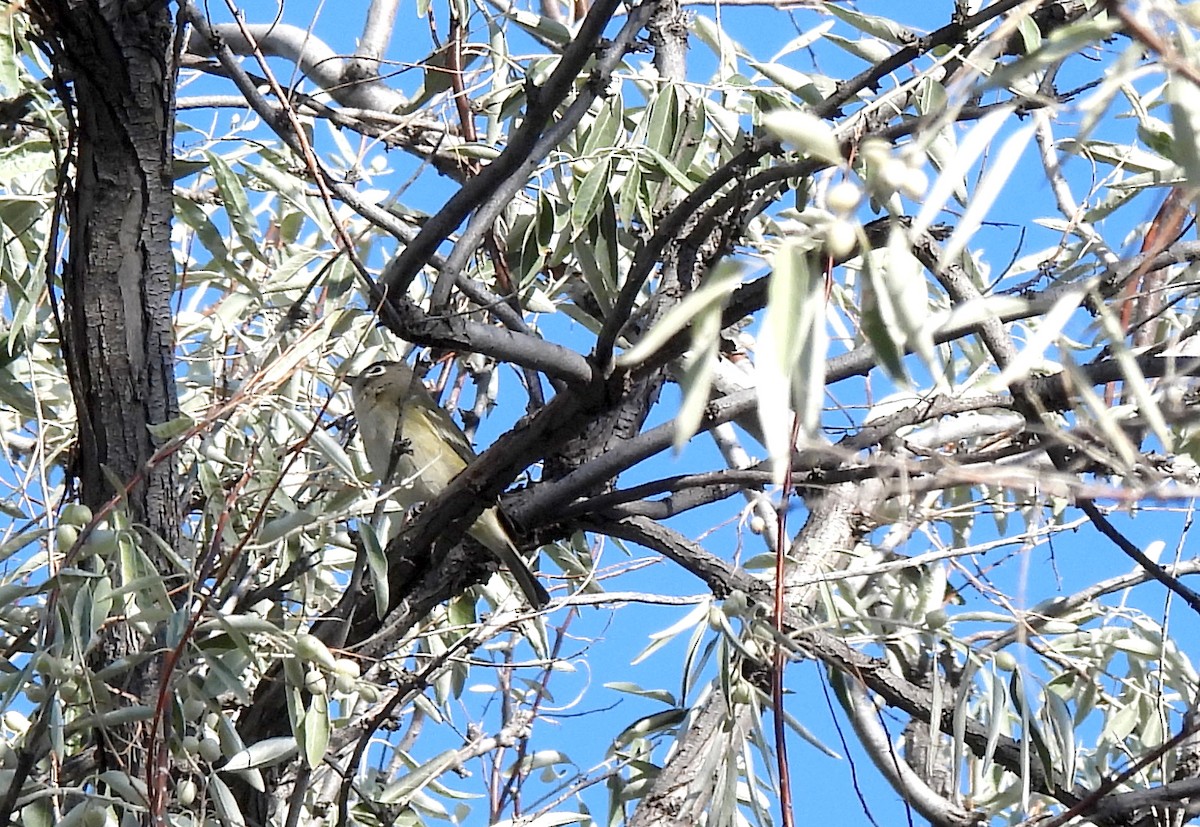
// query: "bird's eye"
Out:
[377,369]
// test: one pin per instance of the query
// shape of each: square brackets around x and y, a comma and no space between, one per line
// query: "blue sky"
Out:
[822,784]
[604,641]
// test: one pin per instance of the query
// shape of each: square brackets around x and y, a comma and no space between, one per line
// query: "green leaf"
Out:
[712,293]
[700,361]
[130,789]
[1031,35]
[659,163]
[166,431]
[686,153]
[881,323]
[183,168]
[315,730]
[319,439]
[791,352]
[11,66]
[194,217]
[808,133]
[598,281]
[956,167]
[237,207]
[798,83]
[633,689]
[377,568]
[543,28]
[650,724]
[241,623]
[630,193]
[1062,729]
[998,174]
[408,785]
[39,814]
[18,541]
[880,27]
[662,120]
[1059,44]
[224,802]
[265,753]
[723,121]
[1185,117]
[725,48]
[610,121]
[526,252]
[287,523]
[22,160]
[868,48]
[589,195]
[121,716]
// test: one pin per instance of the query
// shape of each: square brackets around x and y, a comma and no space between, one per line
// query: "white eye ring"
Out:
[377,369]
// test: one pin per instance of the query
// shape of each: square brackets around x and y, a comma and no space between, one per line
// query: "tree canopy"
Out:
[855,338]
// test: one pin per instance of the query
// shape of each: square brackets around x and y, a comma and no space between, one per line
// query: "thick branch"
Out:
[373,42]
[320,63]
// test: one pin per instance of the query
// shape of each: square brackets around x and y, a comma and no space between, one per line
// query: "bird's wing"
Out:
[448,429]
[398,449]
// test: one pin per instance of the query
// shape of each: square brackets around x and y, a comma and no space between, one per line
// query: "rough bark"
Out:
[117,285]
[120,272]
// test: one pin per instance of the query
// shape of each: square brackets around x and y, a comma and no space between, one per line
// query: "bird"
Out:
[413,443]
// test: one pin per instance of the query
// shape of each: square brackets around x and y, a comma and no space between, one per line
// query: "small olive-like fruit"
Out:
[210,749]
[314,682]
[76,514]
[348,667]
[185,792]
[843,197]
[841,237]
[101,541]
[892,174]
[65,536]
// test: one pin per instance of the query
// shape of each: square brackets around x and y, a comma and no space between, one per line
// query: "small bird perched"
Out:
[412,442]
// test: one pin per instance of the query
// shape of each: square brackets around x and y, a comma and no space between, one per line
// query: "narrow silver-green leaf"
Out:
[237,207]
[806,132]
[660,163]
[377,568]
[226,805]
[265,753]
[790,363]
[881,27]
[662,120]
[712,292]
[316,728]
[590,194]
[604,130]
